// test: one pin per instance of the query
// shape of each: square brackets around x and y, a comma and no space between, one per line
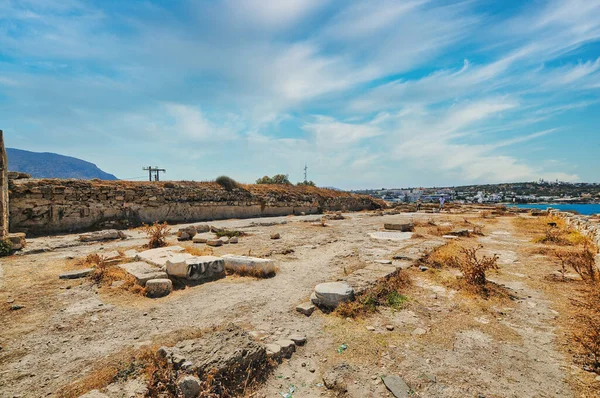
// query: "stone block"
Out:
[17,240]
[202,228]
[199,239]
[298,339]
[196,268]
[395,236]
[143,272]
[214,242]
[159,287]
[233,261]
[406,227]
[288,347]
[160,255]
[80,273]
[331,294]
[109,234]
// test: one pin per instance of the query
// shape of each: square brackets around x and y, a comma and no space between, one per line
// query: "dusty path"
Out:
[444,344]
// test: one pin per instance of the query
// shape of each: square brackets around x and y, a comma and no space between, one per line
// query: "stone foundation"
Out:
[49,206]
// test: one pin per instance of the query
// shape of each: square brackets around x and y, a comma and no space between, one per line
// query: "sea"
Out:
[583,209]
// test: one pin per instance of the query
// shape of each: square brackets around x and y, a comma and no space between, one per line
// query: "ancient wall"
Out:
[45,206]
[588,226]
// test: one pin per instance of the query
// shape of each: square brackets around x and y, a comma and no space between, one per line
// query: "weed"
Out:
[385,293]
[199,251]
[5,247]
[229,184]
[157,234]
[473,268]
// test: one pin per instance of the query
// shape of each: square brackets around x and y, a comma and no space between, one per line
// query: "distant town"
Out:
[523,192]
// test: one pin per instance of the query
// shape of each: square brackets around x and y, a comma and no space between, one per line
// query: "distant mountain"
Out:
[52,165]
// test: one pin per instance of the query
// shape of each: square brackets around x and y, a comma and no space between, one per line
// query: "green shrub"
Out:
[226,182]
[306,183]
[282,179]
[5,247]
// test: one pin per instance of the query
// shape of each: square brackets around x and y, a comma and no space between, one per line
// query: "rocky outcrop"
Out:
[45,206]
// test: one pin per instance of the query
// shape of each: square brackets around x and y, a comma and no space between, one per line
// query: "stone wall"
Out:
[588,226]
[46,206]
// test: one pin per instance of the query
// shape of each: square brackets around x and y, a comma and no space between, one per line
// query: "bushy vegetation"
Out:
[157,234]
[306,183]
[227,183]
[474,268]
[281,179]
[261,271]
[386,293]
[5,247]
[228,233]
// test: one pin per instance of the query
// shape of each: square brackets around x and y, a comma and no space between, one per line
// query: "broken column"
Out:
[3,189]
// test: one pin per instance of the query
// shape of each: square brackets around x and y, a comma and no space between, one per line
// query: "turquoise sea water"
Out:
[583,209]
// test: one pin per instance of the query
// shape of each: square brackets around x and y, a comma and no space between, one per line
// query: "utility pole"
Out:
[3,188]
[154,170]
[305,173]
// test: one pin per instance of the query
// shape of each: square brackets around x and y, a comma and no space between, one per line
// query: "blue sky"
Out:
[368,93]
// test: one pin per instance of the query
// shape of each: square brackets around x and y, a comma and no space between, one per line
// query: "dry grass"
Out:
[262,271]
[199,251]
[386,293]
[157,234]
[444,256]
[105,274]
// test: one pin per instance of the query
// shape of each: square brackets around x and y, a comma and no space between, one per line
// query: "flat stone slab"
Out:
[196,267]
[233,261]
[331,294]
[397,386]
[396,236]
[143,272]
[160,255]
[109,234]
[288,347]
[80,273]
[214,242]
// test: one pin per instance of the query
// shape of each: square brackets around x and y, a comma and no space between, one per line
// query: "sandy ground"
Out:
[445,343]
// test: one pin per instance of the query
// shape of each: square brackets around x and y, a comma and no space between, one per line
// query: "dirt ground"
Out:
[445,342]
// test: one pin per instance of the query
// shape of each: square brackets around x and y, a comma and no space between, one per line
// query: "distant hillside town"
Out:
[523,192]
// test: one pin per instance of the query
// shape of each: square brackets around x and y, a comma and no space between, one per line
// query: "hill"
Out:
[52,165]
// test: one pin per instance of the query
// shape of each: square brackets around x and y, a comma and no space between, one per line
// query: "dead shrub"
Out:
[474,268]
[478,229]
[386,293]
[553,235]
[199,251]
[487,214]
[581,261]
[157,234]
[587,332]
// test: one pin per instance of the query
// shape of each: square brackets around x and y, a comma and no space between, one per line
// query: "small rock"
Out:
[298,339]
[214,242]
[397,386]
[419,331]
[190,386]
[159,287]
[273,351]
[233,240]
[275,236]
[331,294]
[423,268]
[389,327]
[117,284]
[287,347]
[383,261]
[370,328]
[306,308]
[10,301]
[199,239]
[202,228]
[16,307]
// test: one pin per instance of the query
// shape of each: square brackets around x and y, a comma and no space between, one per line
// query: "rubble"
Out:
[98,236]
